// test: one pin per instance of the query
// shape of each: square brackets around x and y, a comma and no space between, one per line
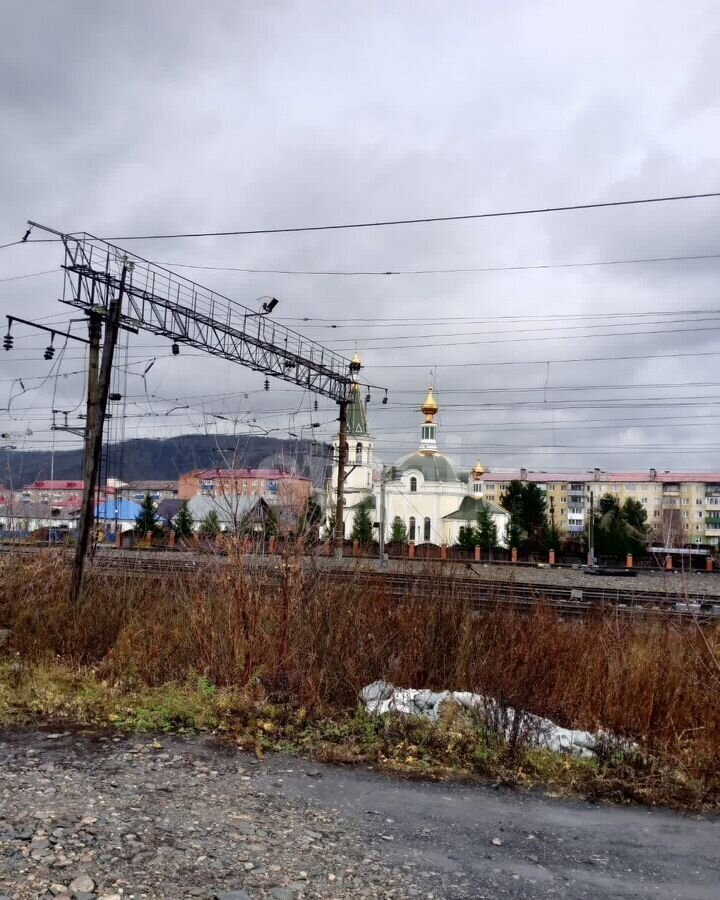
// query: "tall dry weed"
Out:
[301,635]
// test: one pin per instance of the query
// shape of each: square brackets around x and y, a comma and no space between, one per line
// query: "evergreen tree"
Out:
[513,534]
[467,537]
[146,521]
[210,525]
[330,524]
[271,525]
[534,514]
[487,535]
[553,538]
[184,522]
[362,523]
[309,520]
[527,506]
[635,514]
[398,533]
[620,529]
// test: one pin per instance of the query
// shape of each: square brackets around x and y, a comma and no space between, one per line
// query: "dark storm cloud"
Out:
[170,116]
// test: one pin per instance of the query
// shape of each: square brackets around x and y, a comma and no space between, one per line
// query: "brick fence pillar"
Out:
[411,550]
[272,543]
[513,555]
[629,561]
[551,557]
[668,562]
[478,554]
[709,564]
[443,552]
[356,548]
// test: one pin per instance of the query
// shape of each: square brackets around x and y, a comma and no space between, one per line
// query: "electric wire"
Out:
[529,211]
[450,271]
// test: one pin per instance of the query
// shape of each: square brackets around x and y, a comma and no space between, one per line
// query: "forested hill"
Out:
[167,458]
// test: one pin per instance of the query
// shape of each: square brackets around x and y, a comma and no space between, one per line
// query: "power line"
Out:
[452,271]
[30,275]
[544,362]
[555,329]
[413,322]
[419,221]
[340,345]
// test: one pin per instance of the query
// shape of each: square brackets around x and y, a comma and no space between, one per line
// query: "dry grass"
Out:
[305,641]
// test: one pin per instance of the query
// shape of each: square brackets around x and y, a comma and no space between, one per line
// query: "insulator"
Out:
[49,352]
[175,349]
[315,405]
[367,398]
[115,397]
[267,384]
[384,400]
[8,341]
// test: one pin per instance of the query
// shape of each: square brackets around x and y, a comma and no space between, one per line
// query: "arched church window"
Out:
[358,453]
[411,532]
[426,529]
[413,485]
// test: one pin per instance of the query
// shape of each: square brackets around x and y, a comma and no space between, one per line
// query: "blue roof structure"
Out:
[122,510]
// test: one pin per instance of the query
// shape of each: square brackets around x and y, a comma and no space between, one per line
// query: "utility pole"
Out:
[340,498]
[161,302]
[381,540]
[591,532]
[99,375]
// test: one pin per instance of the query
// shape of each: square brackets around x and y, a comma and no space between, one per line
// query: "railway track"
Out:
[568,599]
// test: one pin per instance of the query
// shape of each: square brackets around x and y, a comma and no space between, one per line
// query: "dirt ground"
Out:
[101,816]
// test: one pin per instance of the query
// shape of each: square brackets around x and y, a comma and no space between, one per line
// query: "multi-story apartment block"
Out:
[273,485]
[682,507]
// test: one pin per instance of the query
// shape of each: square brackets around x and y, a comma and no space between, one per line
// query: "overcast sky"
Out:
[140,118]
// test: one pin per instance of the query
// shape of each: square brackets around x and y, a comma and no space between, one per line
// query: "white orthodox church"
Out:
[425,490]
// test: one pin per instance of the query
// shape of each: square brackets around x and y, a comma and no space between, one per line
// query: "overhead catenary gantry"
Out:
[119,289]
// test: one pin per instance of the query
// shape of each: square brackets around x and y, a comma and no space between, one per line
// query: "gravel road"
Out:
[101,816]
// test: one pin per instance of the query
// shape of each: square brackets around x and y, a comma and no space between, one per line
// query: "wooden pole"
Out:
[340,499]
[97,396]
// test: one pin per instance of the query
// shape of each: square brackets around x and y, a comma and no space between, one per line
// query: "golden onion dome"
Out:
[478,470]
[356,361]
[430,406]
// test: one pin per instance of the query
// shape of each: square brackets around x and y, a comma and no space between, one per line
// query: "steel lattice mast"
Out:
[119,289]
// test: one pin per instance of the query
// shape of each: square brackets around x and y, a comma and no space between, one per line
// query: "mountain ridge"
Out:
[168,458]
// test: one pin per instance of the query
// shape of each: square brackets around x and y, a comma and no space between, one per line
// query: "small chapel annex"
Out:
[424,489]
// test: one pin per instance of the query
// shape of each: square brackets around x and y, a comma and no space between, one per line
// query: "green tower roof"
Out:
[357,414]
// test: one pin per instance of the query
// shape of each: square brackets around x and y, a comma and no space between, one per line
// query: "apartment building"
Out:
[273,485]
[682,507]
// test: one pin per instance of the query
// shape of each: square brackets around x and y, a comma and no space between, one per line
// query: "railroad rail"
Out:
[577,599]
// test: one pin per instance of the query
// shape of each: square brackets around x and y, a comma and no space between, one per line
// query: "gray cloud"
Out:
[141,118]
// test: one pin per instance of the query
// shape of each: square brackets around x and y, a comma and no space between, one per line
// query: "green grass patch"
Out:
[456,747]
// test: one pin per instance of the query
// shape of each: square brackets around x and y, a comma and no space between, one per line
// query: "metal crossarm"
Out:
[163,303]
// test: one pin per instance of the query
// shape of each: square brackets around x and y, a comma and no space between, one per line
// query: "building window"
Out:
[426,529]
[411,532]
[477,487]
[358,454]
[413,488]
